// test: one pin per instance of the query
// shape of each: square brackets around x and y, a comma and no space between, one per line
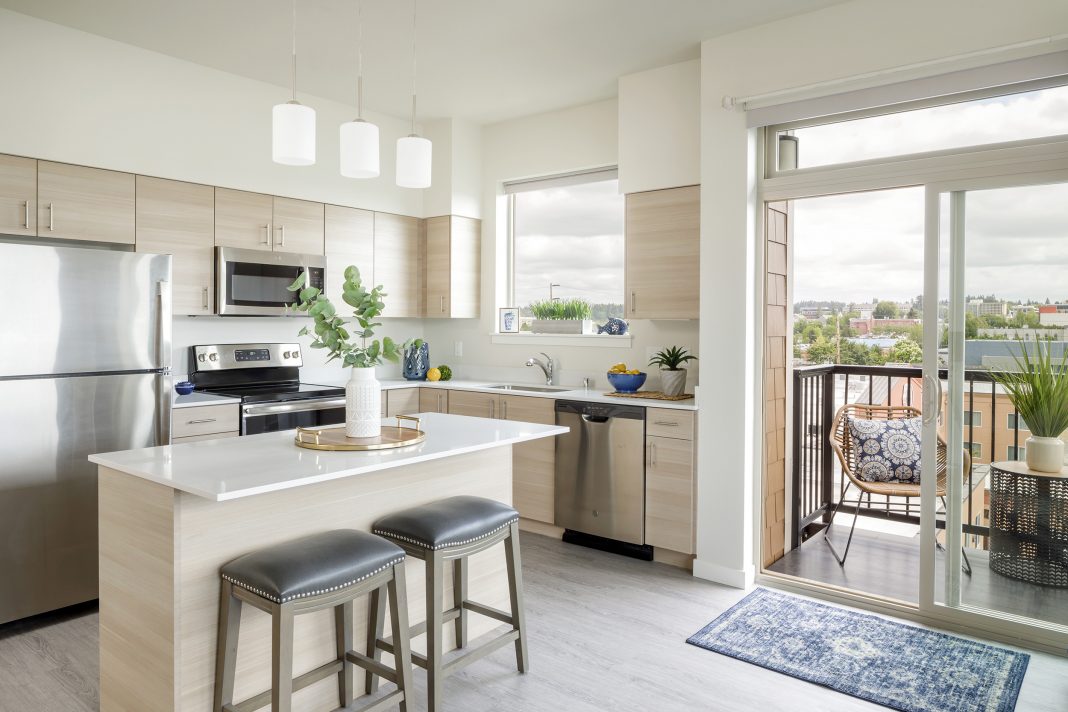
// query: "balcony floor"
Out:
[889,565]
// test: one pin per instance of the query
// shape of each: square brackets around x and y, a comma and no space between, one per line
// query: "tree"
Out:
[885,310]
[822,351]
[905,351]
[971,326]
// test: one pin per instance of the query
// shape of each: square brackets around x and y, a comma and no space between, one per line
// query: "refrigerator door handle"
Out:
[163,408]
[163,324]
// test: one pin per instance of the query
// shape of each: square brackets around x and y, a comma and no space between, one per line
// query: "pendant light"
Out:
[293,126]
[413,151]
[359,139]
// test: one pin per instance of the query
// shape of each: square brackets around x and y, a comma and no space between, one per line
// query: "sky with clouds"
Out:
[866,245]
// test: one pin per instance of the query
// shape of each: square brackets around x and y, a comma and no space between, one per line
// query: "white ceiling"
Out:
[484,60]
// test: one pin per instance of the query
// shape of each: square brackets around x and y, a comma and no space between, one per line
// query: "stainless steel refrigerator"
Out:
[85,350]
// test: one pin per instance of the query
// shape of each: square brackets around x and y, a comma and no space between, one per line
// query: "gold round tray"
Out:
[333,437]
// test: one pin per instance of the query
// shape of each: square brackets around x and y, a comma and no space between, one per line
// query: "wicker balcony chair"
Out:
[842,443]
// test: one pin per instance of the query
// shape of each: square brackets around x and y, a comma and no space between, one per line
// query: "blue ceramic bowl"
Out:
[184,388]
[626,382]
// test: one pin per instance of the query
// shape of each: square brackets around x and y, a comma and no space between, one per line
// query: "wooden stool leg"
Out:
[282,659]
[435,584]
[459,595]
[226,646]
[343,635]
[515,592]
[376,620]
[402,649]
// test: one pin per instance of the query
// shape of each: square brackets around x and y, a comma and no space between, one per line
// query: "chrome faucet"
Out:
[546,366]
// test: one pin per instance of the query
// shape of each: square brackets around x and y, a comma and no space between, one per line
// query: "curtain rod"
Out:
[731,103]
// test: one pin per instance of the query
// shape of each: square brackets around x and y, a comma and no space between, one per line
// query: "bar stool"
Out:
[328,570]
[452,530]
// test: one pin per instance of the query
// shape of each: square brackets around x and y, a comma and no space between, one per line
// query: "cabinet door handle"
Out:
[206,298]
[633,302]
[201,420]
[51,217]
[282,236]
[493,409]
[442,298]
[504,410]
[26,215]
[652,454]
[666,423]
[267,234]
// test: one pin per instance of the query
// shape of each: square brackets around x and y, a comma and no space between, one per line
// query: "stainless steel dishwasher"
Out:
[600,474]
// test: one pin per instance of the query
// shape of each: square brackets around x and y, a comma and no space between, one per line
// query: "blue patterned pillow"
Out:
[886,450]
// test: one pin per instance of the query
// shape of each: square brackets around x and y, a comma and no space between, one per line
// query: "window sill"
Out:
[595,340]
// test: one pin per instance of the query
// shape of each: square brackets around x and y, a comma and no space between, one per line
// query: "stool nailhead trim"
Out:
[273,599]
[394,535]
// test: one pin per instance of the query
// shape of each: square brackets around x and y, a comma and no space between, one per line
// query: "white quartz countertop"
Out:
[571,394]
[232,468]
[197,398]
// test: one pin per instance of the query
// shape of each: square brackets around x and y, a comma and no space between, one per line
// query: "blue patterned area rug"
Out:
[892,664]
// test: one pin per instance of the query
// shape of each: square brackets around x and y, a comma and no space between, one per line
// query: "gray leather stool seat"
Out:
[452,530]
[327,570]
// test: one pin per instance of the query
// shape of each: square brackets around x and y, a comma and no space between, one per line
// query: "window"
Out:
[967,121]
[1016,453]
[973,418]
[1012,420]
[976,449]
[567,242]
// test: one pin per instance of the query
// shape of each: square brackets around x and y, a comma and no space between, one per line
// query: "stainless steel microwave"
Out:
[254,282]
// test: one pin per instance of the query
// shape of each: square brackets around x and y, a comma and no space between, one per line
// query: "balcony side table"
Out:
[1029,524]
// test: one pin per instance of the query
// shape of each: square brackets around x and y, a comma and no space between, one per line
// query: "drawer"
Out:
[669,423]
[209,436]
[205,420]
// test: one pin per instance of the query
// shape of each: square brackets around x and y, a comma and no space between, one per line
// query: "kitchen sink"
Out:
[530,389]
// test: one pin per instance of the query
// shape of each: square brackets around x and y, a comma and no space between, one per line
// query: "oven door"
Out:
[272,417]
[255,282]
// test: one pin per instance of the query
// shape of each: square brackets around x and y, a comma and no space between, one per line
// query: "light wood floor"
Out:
[607,633]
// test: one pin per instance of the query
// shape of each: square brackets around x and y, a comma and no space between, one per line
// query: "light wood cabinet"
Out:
[243,219]
[662,254]
[433,400]
[201,420]
[80,203]
[480,405]
[298,226]
[402,401]
[178,219]
[398,263]
[533,463]
[669,479]
[210,436]
[350,240]
[669,423]
[453,267]
[18,195]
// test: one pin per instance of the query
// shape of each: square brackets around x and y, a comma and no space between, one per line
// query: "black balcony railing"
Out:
[818,393]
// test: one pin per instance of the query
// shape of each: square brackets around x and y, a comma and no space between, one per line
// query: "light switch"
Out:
[458,348]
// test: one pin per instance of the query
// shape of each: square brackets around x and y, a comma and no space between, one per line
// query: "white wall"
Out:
[543,144]
[839,41]
[456,182]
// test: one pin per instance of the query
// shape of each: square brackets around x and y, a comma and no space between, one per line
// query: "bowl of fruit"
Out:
[626,380]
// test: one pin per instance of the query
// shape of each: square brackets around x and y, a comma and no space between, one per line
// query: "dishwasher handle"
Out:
[595,418]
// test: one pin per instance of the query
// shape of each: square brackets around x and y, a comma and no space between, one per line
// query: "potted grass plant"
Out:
[561,316]
[1038,389]
[672,374]
[353,346]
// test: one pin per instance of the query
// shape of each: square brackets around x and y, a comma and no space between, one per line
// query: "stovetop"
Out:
[275,392]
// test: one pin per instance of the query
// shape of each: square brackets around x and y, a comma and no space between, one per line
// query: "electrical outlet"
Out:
[458,349]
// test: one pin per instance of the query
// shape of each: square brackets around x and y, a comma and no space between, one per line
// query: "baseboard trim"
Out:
[737,578]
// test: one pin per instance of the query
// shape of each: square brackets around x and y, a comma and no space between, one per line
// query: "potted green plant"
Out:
[561,316]
[1038,389]
[354,347]
[672,375]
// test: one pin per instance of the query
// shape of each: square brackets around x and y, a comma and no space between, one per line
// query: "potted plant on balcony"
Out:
[1038,389]
[355,349]
[672,375]
[561,316]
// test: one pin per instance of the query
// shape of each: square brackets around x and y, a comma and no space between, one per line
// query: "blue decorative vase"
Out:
[417,362]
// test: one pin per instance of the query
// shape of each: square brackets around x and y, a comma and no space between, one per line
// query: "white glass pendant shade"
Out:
[293,135]
[413,162]
[359,149]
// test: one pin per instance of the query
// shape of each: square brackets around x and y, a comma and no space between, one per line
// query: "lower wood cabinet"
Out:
[433,400]
[480,405]
[533,463]
[669,480]
[204,422]
[209,436]
[401,401]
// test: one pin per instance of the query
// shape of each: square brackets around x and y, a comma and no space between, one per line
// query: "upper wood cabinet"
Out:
[662,254]
[398,263]
[453,267]
[18,195]
[350,240]
[255,221]
[176,218]
[79,203]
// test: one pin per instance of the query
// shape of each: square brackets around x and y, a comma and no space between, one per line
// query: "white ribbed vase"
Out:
[363,404]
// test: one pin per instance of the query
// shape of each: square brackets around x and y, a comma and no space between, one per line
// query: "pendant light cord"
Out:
[293,67]
[359,60]
[415,5]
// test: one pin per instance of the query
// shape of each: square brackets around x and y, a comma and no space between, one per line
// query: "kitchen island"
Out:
[171,516]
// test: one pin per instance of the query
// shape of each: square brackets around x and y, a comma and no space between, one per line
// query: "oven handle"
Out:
[298,407]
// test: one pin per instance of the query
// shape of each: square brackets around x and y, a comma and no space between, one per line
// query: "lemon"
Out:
[433,374]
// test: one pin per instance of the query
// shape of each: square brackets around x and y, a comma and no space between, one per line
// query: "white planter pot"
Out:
[673,383]
[1045,454]
[561,326]
[363,404]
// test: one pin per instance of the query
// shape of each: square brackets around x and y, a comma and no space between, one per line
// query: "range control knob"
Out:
[286,354]
[213,357]
[202,358]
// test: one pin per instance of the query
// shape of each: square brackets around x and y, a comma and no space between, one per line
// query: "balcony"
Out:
[885,556]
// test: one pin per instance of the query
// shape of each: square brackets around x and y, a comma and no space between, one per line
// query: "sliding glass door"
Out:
[994,532]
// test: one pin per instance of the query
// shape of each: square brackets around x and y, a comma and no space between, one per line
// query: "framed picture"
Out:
[509,321]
